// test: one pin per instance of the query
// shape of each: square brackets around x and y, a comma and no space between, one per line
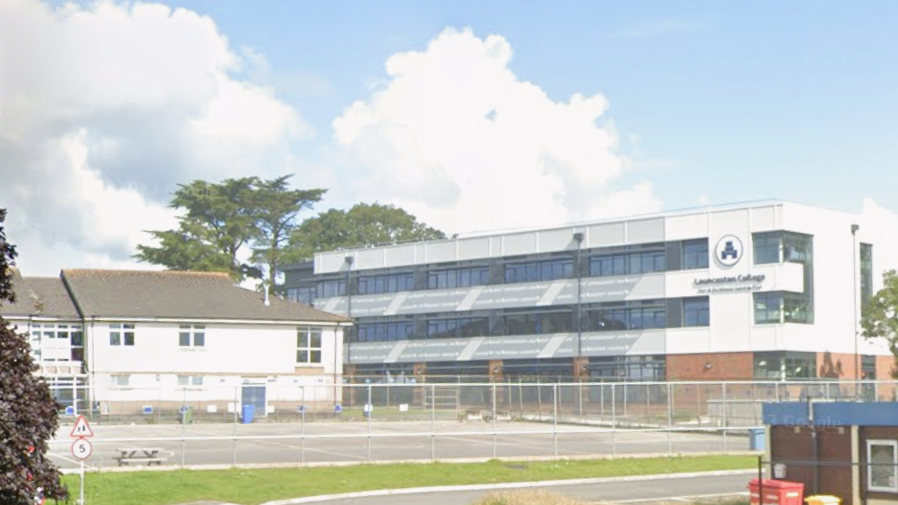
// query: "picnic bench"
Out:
[148,455]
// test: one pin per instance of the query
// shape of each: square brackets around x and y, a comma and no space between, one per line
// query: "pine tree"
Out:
[28,413]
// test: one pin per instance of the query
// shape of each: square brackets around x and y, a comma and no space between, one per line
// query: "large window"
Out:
[57,342]
[305,295]
[458,278]
[120,380]
[121,334]
[385,331]
[781,365]
[696,311]
[866,272]
[192,335]
[538,322]
[776,307]
[631,263]
[644,315]
[627,368]
[882,463]
[532,271]
[391,283]
[695,254]
[458,327]
[782,246]
[190,380]
[332,288]
[308,346]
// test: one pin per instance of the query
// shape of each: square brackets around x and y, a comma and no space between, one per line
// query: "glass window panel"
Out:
[184,339]
[115,338]
[129,338]
[199,339]
[883,475]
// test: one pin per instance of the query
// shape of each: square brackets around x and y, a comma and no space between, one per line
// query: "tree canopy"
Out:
[221,219]
[880,315]
[28,413]
[362,225]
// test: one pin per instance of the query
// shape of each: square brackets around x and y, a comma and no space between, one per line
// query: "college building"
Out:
[766,290]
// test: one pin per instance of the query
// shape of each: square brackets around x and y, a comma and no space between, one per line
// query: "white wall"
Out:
[229,348]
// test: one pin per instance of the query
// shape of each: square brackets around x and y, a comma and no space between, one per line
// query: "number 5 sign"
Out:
[82,449]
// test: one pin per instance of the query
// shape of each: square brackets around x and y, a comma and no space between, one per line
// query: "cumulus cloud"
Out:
[464,144]
[104,109]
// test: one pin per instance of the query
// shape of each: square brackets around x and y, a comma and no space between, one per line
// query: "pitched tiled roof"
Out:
[179,295]
[39,296]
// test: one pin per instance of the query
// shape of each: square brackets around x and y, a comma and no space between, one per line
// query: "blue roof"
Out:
[831,414]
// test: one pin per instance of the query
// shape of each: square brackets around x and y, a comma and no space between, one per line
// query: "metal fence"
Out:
[402,420]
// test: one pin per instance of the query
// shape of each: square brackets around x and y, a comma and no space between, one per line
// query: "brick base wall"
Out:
[711,366]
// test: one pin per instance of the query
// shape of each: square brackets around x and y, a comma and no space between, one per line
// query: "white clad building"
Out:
[768,290]
[155,339]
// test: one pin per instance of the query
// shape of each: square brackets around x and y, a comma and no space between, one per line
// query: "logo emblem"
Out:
[729,250]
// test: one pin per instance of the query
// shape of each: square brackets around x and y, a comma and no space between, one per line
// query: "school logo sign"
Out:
[729,250]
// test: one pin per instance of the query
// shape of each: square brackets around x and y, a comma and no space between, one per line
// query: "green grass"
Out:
[251,487]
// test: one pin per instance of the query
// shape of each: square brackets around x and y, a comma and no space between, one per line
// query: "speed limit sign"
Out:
[82,449]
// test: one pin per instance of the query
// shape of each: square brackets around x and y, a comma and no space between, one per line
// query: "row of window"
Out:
[768,247]
[769,308]
[621,316]
[308,339]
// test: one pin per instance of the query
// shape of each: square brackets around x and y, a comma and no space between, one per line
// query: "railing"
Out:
[394,421]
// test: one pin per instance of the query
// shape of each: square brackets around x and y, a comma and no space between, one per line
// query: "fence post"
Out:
[183,426]
[613,420]
[555,418]
[302,426]
[669,420]
[368,407]
[433,421]
[236,400]
[494,420]
[726,418]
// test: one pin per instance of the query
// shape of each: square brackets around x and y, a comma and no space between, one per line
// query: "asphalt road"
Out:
[643,490]
[344,442]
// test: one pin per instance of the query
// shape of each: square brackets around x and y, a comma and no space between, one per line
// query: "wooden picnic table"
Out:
[148,455]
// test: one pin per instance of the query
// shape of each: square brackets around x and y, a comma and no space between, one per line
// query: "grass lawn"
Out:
[251,487]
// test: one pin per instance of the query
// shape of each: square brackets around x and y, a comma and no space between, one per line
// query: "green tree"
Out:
[880,315]
[276,208]
[222,219]
[362,225]
[28,413]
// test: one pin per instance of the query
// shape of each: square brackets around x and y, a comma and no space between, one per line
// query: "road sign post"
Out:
[81,447]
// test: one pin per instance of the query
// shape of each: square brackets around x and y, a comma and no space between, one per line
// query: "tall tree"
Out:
[219,220]
[362,225]
[880,315]
[28,413]
[276,208]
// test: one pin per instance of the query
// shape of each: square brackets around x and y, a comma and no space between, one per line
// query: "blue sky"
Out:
[707,102]
[732,100]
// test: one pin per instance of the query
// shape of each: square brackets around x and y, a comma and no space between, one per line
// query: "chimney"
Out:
[267,299]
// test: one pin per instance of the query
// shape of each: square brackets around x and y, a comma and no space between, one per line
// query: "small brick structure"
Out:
[827,446]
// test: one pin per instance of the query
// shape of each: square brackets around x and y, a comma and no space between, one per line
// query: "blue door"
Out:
[255,396]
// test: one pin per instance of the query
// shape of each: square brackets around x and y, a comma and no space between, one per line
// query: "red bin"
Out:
[776,492]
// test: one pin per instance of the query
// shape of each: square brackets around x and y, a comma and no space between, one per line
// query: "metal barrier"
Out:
[422,421]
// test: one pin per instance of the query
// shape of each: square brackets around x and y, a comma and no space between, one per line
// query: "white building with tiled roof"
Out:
[142,339]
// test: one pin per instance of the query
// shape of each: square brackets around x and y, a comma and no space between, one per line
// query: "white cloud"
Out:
[103,110]
[461,142]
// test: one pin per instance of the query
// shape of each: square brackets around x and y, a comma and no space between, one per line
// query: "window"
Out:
[192,335]
[308,346]
[393,283]
[537,323]
[332,288]
[643,315]
[458,327]
[782,307]
[386,331]
[190,380]
[882,462]
[866,268]
[782,246]
[533,271]
[305,295]
[458,278]
[781,365]
[120,380]
[121,334]
[627,263]
[696,311]
[695,254]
